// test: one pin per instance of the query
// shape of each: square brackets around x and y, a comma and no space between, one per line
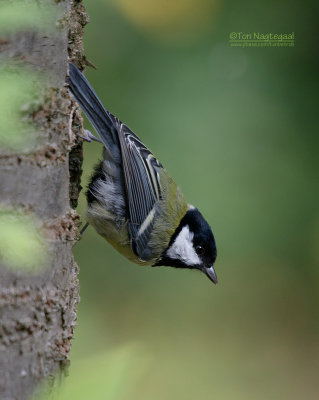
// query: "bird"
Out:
[132,201]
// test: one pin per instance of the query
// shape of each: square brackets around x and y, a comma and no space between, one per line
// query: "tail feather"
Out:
[99,117]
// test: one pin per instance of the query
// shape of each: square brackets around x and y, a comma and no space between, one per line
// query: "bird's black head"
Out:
[192,245]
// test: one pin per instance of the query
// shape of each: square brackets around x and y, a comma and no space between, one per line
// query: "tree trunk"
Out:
[38,311]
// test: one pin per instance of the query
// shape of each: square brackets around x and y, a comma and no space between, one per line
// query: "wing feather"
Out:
[143,189]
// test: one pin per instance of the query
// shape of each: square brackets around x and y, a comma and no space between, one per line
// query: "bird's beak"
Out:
[210,272]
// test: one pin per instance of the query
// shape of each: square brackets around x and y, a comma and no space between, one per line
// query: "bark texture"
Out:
[38,312]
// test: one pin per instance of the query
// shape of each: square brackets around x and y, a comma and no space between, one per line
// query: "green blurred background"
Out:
[235,127]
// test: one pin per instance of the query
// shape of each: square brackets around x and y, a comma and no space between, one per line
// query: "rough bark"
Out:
[38,312]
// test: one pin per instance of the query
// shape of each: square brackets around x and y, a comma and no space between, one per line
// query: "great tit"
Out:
[132,201]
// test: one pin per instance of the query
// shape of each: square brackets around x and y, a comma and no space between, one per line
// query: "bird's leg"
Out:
[79,237]
[89,137]
[84,228]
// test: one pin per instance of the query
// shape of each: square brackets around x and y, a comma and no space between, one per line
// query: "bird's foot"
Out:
[89,137]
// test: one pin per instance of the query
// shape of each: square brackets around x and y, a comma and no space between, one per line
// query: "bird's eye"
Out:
[200,250]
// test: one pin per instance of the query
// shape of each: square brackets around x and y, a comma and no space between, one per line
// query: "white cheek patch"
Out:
[183,249]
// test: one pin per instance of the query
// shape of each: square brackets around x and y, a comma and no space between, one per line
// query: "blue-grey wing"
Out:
[143,191]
